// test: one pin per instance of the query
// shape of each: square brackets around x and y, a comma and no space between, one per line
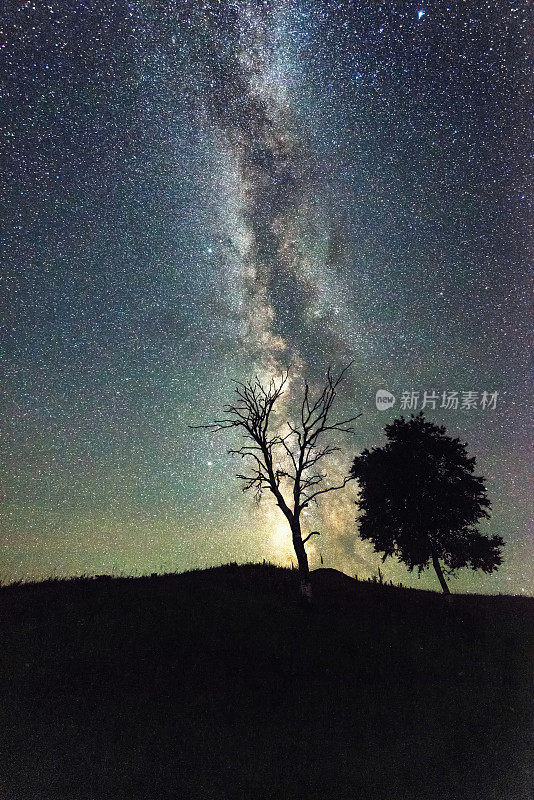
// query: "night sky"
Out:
[201,191]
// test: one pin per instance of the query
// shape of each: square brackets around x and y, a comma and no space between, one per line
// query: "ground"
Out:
[217,684]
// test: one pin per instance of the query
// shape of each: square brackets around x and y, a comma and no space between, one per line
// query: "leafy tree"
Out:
[421,502]
[286,456]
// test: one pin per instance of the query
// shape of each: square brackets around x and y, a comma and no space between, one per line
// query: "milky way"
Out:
[271,194]
[202,191]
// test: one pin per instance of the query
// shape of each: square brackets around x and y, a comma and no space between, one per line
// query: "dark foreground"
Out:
[216,684]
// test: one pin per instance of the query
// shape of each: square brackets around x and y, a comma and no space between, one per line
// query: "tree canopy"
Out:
[420,500]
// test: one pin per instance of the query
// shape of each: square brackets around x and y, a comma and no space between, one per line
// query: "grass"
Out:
[216,684]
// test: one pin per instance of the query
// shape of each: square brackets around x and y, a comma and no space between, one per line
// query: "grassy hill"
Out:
[216,684]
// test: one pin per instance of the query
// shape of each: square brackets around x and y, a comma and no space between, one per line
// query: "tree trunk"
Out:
[439,573]
[302,558]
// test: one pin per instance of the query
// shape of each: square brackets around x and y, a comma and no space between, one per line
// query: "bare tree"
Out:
[284,458]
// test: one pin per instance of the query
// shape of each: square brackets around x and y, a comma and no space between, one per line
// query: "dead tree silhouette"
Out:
[284,457]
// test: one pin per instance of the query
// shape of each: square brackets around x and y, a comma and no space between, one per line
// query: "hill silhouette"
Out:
[217,684]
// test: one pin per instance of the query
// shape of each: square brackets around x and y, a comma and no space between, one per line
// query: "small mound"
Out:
[332,580]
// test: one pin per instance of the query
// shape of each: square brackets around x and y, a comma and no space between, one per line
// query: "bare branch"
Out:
[279,460]
[217,425]
[327,489]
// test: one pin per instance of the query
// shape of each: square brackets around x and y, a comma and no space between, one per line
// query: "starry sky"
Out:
[196,192]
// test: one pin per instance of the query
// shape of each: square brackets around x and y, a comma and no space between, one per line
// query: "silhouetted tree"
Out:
[421,502]
[283,455]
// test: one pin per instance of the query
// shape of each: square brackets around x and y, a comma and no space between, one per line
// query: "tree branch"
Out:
[279,457]
[327,489]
